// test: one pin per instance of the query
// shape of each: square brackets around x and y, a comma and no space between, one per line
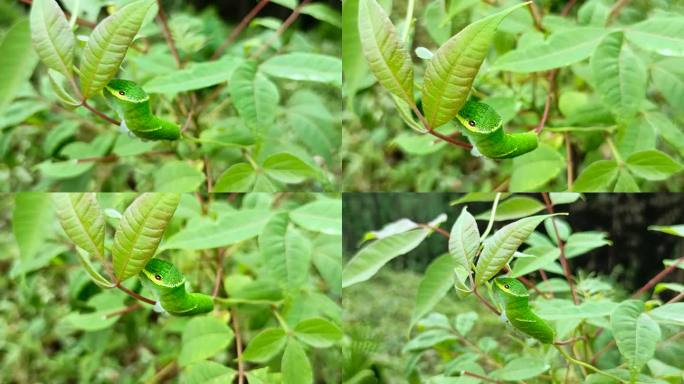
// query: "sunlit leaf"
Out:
[52,37]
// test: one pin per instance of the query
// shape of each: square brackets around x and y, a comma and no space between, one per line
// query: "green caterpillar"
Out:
[484,127]
[133,106]
[168,282]
[517,310]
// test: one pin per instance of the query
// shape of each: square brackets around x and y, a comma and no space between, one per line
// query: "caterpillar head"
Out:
[163,274]
[479,117]
[125,90]
[511,286]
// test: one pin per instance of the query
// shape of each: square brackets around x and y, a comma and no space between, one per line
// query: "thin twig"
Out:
[220,256]
[568,7]
[166,31]
[536,16]
[135,295]
[431,131]
[238,346]
[676,298]
[238,29]
[568,160]
[207,171]
[561,248]
[615,11]
[482,299]
[603,350]
[436,229]
[473,374]
[165,371]
[124,310]
[286,24]
[100,114]
[547,104]
[657,278]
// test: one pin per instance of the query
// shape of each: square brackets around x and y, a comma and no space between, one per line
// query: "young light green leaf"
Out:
[514,208]
[522,368]
[107,46]
[194,76]
[636,334]
[17,61]
[52,37]
[535,169]
[287,168]
[464,239]
[666,127]
[562,48]
[203,337]
[31,219]
[65,97]
[178,176]
[434,285]
[139,232]
[676,230]
[238,178]
[354,67]
[620,76]
[663,35]
[228,229]
[368,261]
[286,253]
[625,182]
[387,56]
[318,332]
[92,271]
[323,12]
[597,177]
[499,248]
[668,79]
[652,165]
[305,67]
[82,220]
[324,215]
[208,372]
[295,366]
[450,74]
[266,345]
[255,97]
[672,313]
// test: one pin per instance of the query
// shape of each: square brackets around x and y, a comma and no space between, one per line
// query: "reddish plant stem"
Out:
[135,295]
[561,248]
[207,171]
[436,229]
[238,29]
[547,104]
[100,114]
[125,310]
[286,24]
[473,374]
[482,299]
[431,131]
[536,16]
[568,7]
[676,298]
[542,273]
[657,278]
[615,11]
[220,256]
[238,347]
[166,31]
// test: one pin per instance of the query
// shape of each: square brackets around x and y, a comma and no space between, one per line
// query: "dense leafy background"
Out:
[614,115]
[266,126]
[461,334]
[281,250]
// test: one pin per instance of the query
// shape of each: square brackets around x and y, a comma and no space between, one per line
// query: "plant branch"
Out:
[615,11]
[238,346]
[568,160]
[431,131]
[166,31]
[220,256]
[482,299]
[100,114]
[547,105]
[586,365]
[568,7]
[124,310]
[676,298]
[135,295]
[473,374]
[286,24]
[561,248]
[536,16]
[436,229]
[603,350]
[238,29]
[657,278]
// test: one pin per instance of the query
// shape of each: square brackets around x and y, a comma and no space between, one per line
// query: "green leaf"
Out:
[287,168]
[56,80]
[428,339]
[387,56]
[669,80]
[666,128]
[635,135]
[368,261]
[31,222]
[266,345]
[521,368]
[203,337]
[92,271]
[465,322]
[544,255]
[676,230]
[323,215]
[194,76]
[52,37]
[561,309]
[295,366]
[305,67]
[663,35]
[450,74]
[318,332]
[652,165]
[286,253]
[139,232]
[514,208]
[314,124]
[597,177]
[208,372]
[619,75]
[635,333]
[82,220]
[177,176]
[431,21]
[238,178]
[327,257]
[672,313]
[228,229]
[535,169]
[562,48]
[499,248]
[107,46]
[625,183]
[464,240]
[434,285]
[17,61]
[580,243]
[354,67]
[103,303]
[324,13]
[255,97]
